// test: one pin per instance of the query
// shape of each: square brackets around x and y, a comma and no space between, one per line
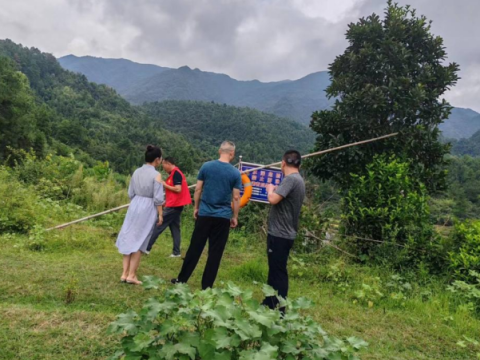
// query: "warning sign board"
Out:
[260,179]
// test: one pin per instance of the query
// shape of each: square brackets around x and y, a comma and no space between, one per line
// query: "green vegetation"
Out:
[21,120]
[462,198]
[469,146]
[259,137]
[224,324]
[369,257]
[389,206]
[388,80]
[78,116]
[61,289]
[465,260]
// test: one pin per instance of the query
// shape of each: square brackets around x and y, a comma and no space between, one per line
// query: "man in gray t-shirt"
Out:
[286,201]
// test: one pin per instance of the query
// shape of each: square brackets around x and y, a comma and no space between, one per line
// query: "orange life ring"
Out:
[247,190]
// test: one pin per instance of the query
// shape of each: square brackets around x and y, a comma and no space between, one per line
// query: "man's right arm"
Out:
[197,196]
[236,207]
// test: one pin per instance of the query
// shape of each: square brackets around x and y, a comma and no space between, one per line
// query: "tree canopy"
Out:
[389,79]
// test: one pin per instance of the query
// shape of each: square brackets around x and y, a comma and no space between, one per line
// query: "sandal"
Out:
[123,280]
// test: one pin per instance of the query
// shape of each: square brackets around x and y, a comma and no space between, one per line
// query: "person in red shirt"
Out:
[178,196]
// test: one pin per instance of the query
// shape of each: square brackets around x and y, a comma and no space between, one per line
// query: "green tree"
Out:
[18,113]
[389,79]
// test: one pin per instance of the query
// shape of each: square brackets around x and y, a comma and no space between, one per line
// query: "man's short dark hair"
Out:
[170,160]
[292,158]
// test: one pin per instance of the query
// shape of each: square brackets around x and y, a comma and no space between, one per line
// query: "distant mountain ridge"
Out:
[120,74]
[293,99]
[138,83]
[461,124]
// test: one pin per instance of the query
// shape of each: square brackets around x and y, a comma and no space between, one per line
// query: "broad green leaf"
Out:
[289,347]
[141,341]
[302,303]
[206,350]
[221,338]
[168,351]
[246,330]
[190,338]
[268,290]
[124,323]
[186,349]
[266,318]
[357,343]
[168,327]
[152,282]
[223,355]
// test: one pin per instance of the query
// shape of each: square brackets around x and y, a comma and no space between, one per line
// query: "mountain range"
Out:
[139,83]
[296,100]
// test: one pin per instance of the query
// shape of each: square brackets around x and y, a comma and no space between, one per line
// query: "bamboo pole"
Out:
[244,172]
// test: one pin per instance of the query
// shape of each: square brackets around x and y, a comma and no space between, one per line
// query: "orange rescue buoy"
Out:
[247,191]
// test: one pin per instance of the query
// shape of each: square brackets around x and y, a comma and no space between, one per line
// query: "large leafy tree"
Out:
[19,115]
[389,79]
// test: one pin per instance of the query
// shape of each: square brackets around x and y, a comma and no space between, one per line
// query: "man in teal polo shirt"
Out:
[218,185]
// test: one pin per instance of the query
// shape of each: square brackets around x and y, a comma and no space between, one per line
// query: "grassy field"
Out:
[57,303]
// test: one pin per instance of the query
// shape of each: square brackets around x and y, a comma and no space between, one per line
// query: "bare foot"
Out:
[134,281]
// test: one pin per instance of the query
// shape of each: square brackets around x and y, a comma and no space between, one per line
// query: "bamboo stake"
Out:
[244,172]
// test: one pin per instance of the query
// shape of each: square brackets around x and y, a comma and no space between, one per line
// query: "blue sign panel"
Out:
[260,179]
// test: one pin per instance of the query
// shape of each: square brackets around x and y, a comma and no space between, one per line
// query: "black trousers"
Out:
[278,250]
[171,219]
[216,230]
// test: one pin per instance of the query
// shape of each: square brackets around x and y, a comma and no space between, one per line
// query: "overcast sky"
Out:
[247,39]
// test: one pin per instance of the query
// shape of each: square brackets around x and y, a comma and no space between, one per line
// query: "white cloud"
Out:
[247,39]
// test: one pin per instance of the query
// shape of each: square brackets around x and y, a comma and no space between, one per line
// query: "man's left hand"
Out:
[233,223]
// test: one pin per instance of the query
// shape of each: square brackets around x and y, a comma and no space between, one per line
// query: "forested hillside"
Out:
[75,115]
[469,146]
[260,137]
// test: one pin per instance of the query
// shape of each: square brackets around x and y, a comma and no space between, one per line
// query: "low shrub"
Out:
[465,257]
[468,292]
[226,323]
[385,214]
[19,209]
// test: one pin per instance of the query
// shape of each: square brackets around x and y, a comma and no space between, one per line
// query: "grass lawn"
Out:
[57,303]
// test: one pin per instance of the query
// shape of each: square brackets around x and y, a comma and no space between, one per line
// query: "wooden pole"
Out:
[245,172]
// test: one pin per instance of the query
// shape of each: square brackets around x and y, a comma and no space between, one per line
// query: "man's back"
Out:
[219,179]
[283,217]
